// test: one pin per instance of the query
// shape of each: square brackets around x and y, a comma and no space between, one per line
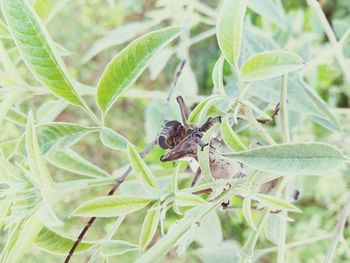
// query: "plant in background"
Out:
[230,152]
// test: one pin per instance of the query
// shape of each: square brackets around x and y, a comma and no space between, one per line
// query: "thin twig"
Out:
[115,187]
[338,230]
[172,88]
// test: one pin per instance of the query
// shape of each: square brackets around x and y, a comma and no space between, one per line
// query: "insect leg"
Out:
[273,116]
[196,177]
[209,123]
[185,112]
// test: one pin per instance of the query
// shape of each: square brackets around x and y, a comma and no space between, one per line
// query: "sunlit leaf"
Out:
[198,114]
[111,206]
[187,199]
[276,203]
[36,48]
[116,247]
[298,158]
[50,110]
[270,64]
[36,161]
[129,64]
[141,170]
[60,134]
[21,240]
[113,139]
[58,244]
[149,226]
[118,36]
[71,161]
[229,29]
[217,76]
[269,10]
[46,9]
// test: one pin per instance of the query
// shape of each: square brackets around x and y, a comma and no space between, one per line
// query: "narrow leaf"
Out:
[230,137]
[149,226]
[118,36]
[229,29]
[60,134]
[217,76]
[111,206]
[46,9]
[58,244]
[276,203]
[36,48]
[197,116]
[203,155]
[71,161]
[128,65]
[142,171]
[36,161]
[116,247]
[270,64]
[113,139]
[298,158]
[247,212]
[186,199]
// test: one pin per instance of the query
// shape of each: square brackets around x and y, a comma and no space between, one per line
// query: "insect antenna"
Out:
[172,88]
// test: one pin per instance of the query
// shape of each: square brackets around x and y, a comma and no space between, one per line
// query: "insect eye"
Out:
[162,142]
[171,123]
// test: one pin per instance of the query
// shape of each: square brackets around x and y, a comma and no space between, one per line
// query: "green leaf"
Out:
[197,116]
[111,206]
[247,212]
[187,199]
[230,137]
[129,64]
[116,247]
[36,161]
[36,48]
[270,64]
[58,244]
[203,155]
[217,76]
[4,32]
[71,161]
[50,110]
[118,36]
[141,170]
[269,10]
[21,240]
[149,226]
[299,158]
[60,134]
[276,203]
[229,29]
[113,139]
[47,9]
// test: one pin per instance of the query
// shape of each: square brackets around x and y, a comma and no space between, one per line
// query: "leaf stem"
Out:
[337,47]
[338,232]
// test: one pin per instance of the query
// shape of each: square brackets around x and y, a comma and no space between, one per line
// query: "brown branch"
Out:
[115,187]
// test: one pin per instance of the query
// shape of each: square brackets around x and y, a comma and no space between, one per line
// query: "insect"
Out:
[183,140]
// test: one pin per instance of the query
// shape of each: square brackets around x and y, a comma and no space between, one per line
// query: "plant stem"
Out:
[338,230]
[291,245]
[287,139]
[337,48]
[284,108]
